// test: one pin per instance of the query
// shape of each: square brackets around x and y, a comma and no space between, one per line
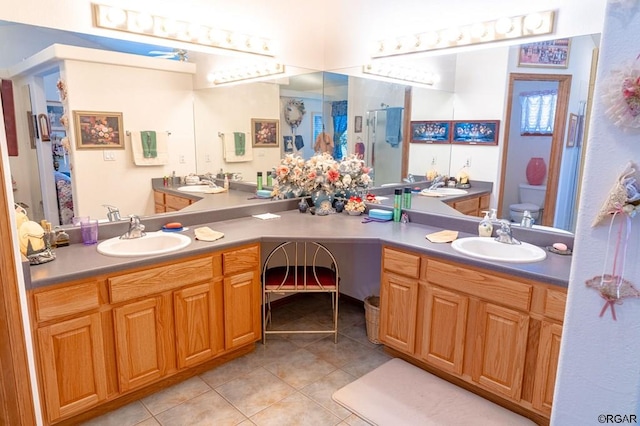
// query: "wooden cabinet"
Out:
[501,343]
[472,206]
[445,329]
[495,332]
[242,296]
[169,202]
[399,299]
[73,365]
[140,343]
[100,339]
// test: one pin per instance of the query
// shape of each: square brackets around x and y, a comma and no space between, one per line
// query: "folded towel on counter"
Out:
[207,234]
[443,236]
[231,149]
[149,148]
[149,144]
[394,126]
[239,141]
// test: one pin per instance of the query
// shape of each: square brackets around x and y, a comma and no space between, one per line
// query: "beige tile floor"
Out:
[288,381]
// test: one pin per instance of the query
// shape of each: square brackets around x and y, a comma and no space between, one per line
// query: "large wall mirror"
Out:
[196,120]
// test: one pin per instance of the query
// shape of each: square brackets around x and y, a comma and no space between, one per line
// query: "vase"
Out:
[354,212]
[322,199]
[536,171]
[338,205]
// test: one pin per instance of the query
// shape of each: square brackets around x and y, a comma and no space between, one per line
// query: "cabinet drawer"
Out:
[554,303]
[401,263]
[176,202]
[64,301]
[469,206]
[243,259]
[500,290]
[159,279]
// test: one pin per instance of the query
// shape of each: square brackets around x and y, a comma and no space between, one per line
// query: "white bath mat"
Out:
[398,393]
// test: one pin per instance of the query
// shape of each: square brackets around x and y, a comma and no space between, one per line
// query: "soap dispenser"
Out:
[485,227]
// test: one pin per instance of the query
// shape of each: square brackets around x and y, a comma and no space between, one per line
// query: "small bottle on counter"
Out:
[406,198]
[397,205]
[485,227]
[259,180]
[226,182]
[269,179]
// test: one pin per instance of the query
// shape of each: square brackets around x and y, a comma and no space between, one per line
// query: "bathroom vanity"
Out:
[108,330]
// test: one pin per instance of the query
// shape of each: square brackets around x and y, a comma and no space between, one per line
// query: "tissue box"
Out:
[381,214]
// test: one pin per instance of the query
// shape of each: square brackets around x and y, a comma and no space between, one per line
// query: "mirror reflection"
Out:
[196,124]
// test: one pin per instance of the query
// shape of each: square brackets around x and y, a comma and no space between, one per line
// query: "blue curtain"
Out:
[339,114]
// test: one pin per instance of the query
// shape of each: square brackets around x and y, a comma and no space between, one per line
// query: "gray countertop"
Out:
[78,261]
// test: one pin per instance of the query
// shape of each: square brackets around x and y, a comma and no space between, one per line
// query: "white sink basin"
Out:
[194,188]
[442,192]
[487,248]
[151,244]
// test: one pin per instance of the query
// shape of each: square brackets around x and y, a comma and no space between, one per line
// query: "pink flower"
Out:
[333,175]
[366,170]
[282,171]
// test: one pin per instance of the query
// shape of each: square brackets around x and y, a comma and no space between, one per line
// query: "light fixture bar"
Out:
[249,72]
[506,28]
[397,72]
[136,22]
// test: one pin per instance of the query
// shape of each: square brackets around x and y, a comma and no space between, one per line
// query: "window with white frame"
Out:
[538,112]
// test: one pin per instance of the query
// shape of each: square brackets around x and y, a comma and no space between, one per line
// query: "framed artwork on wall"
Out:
[98,130]
[55,111]
[545,54]
[45,127]
[476,132]
[357,125]
[265,132]
[430,131]
[572,133]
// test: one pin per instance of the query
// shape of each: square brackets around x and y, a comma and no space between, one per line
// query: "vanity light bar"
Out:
[505,28]
[157,26]
[245,73]
[401,73]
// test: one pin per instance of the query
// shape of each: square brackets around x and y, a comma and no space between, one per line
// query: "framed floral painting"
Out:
[98,130]
[266,132]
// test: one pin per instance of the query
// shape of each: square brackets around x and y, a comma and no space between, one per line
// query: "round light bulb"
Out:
[504,25]
[533,21]
[116,16]
[478,30]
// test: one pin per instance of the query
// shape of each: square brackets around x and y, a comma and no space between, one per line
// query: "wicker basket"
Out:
[372,317]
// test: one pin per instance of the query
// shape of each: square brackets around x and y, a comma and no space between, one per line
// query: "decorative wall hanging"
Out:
[430,131]
[622,205]
[265,132]
[98,130]
[622,95]
[45,128]
[545,54]
[476,132]
[294,112]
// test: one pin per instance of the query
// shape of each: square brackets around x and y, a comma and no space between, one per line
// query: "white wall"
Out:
[149,100]
[599,370]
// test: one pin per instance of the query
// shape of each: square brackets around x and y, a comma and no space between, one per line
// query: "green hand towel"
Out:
[149,145]
[238,138]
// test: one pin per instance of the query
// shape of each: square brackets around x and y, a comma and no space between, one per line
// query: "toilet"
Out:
[531,198]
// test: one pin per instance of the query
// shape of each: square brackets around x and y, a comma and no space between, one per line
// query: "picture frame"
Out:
[357,124]
[469,132]
[572,133]
[545,54]
[265,132]
[33,128]
[98,130]
[55,110]
[45,127]
[430,132]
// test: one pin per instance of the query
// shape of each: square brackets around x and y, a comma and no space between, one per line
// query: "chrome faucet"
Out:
[136,229]
[436,182]
[113,213]
[409,179]
[504,234]
[527,219]
[209,182]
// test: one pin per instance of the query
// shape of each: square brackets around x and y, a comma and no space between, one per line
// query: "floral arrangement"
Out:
[354,175]
[355,204]
[296,177]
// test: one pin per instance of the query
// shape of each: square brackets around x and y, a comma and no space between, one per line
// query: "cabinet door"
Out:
[242,300]
[73,365]
[140,344]
[445,328]
[499,355]
[546,366]
[398,308]
[197,315]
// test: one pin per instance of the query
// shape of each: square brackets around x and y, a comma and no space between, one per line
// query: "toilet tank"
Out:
[533,194]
